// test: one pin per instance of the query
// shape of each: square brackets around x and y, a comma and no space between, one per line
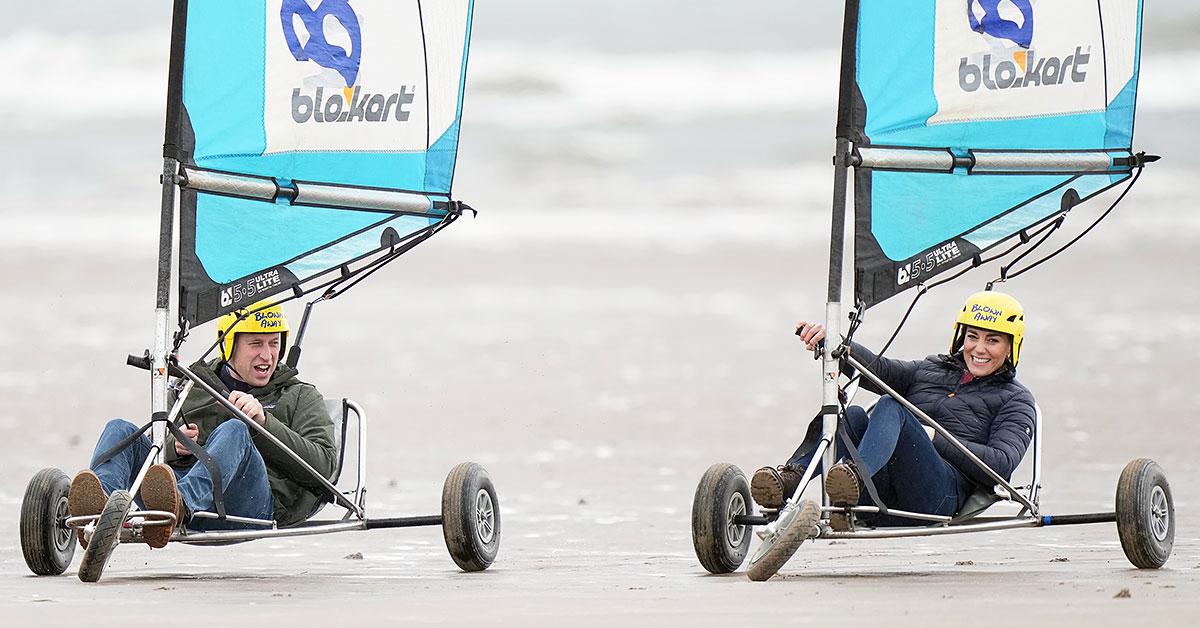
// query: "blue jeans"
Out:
[244,485]
[907,471]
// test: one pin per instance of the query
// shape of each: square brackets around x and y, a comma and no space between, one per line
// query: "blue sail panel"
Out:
[359,96]
[1022,102]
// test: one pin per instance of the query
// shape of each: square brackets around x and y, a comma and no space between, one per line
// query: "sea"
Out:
[597,111]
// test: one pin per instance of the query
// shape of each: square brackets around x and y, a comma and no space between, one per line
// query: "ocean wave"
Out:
[788,208]
[123,75]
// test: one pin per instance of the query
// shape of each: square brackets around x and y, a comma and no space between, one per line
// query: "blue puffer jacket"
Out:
[993,415]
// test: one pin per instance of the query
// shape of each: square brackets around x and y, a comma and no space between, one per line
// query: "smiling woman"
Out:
[972,393]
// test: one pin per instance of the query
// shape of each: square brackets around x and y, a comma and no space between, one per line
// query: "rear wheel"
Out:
[105,537]
[470,517]
[722,495]
[1145,514]
[46,542]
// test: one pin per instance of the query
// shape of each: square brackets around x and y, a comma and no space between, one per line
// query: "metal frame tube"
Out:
[1035,485]
[155,455]
[158,366]
[1013,493]
[891,511]
[228,536]
[833,309]
[360,484]
[883,533]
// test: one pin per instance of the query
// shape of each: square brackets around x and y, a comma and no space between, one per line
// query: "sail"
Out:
[974,121]
[313,137]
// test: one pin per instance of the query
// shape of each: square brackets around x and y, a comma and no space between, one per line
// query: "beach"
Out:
[617,318]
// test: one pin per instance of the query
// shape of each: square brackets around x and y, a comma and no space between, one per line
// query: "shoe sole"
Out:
[159,492]
[766,488]
[842,487]
[85,497]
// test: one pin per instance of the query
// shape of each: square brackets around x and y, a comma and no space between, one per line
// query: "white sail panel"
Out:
[1017,59]
[342,77]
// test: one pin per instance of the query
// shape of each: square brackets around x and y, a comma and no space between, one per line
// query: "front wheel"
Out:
[796,524]
[1145,514]
[105,537]
[470,517]
[46,542]
[722,496]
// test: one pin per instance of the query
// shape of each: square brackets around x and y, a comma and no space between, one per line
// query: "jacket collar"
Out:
[1005,373]
[284,375]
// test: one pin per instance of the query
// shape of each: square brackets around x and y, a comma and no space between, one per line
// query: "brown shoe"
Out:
[159,492]
[771,487]
[843,487]
[86,497]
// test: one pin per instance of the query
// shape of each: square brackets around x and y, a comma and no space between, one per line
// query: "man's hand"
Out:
[249,405]
[192,432]
[810,333]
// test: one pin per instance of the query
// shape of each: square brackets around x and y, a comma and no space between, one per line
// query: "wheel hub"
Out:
[63,536]
[735,532]
[1160,516]
[485,516]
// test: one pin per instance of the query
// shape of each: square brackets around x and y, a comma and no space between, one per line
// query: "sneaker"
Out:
[843,487]
[159,492]
[85,497]
[771,487]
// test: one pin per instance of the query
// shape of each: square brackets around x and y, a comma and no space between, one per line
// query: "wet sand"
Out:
[596,379]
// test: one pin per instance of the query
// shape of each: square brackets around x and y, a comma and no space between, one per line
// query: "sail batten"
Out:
[311,136]
[975,120]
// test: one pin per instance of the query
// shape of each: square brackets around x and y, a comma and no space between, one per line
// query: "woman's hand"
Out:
[810,334]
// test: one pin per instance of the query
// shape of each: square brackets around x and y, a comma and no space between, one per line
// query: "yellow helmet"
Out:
[265,321]
[993,311]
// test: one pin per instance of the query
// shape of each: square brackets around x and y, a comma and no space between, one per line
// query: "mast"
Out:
[166,235]
[833,306]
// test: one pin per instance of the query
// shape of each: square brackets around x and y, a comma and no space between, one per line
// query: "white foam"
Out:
[123,75]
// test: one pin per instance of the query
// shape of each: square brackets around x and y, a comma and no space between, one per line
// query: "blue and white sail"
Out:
[313,136]
[973,121]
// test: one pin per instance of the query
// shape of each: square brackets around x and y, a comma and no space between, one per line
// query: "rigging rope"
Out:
[1045,231]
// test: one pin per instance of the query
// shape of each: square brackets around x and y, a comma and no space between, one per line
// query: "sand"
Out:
[596,379]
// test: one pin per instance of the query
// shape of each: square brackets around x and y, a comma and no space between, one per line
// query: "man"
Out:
[258,480]
[972,393]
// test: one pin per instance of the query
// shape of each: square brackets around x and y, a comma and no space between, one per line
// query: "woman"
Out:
[972,393]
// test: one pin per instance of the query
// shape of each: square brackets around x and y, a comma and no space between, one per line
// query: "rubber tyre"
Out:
[723,493]
[776,552]
[1145,514]
[106,536]
[470,517]
[46,542]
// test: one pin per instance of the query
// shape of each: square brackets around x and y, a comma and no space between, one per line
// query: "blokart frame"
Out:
[470,516]
[722,510]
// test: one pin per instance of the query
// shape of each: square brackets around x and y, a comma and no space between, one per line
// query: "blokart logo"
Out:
[352,104]
[249,288]
[1005,24]
[927,264]
[986,19]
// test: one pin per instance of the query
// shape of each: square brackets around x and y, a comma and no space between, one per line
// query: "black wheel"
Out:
[105,537]
[722,495]
[46,541]
[795,525]
[1145,514]
[470,517]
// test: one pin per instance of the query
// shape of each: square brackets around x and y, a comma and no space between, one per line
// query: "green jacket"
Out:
[296,415]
